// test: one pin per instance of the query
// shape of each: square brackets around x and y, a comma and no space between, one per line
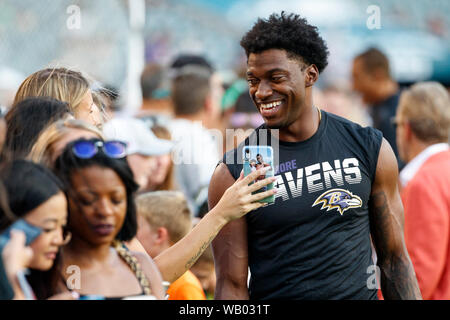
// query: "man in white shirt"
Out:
[196,97]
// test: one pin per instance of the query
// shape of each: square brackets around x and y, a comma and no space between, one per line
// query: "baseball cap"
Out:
[137,135]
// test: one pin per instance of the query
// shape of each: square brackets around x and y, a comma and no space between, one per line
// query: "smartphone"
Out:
[31,232]
[255,158]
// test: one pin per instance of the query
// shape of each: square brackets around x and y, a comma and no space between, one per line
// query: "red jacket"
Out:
[426,201]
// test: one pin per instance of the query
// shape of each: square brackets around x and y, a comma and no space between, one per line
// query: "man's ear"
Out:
[162,235]
[408,131]
[208,105]
[311,75]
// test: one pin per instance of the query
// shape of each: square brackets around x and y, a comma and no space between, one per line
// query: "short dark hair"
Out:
[68,163]
[374,59]
[191,59]
[288,32]
[27,119]
[28,185]
[151,79]
[189,93]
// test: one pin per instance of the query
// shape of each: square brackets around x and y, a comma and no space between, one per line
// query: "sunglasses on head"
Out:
[87,149]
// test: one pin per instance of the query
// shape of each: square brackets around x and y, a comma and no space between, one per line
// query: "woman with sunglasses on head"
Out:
[52,141]
[103,214]
[37,200]
[100,189]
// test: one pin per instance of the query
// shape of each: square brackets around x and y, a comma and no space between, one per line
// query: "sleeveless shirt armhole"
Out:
[232,154]
[376,139]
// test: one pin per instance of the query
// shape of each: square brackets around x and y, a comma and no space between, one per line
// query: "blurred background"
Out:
[112,40]
[178,66]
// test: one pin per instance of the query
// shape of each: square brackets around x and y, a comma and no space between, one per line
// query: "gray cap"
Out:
[137,135]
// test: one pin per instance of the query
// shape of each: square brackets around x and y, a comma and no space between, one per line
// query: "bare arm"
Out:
[398,280]
[135,245]
[230,246]
[236,202]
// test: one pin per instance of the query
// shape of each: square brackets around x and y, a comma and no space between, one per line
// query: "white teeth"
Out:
[270,105]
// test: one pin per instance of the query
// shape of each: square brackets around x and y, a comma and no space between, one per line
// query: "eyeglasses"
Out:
[88,149]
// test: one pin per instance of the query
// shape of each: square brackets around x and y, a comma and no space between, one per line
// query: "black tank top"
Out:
[314,241]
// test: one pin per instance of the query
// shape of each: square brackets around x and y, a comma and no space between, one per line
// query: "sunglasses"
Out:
[87,149]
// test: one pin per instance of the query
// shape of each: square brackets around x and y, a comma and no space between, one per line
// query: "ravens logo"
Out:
[338,199]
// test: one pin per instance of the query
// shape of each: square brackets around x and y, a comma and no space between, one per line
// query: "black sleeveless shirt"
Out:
[314,241]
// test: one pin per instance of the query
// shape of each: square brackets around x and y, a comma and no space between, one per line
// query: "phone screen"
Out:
[255,158]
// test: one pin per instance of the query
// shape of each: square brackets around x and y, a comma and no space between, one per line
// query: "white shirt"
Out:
[410,170]
[195,156]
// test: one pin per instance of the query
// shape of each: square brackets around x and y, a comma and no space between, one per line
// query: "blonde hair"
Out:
[426,107]
[168,209]
[41,150]
[59,83]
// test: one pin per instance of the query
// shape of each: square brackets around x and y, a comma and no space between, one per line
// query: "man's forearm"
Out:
[226,290]
[398,280]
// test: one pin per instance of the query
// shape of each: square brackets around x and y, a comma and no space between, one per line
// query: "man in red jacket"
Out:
[423,126]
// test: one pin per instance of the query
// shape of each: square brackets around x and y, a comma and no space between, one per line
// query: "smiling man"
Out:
[296,248]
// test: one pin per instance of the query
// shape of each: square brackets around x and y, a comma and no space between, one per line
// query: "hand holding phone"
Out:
[31,232]
[255,158]
[14,259]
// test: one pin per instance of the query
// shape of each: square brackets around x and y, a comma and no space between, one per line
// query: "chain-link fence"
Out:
[86,35]
[93,35]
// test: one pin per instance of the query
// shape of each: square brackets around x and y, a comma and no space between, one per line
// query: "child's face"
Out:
[147,236]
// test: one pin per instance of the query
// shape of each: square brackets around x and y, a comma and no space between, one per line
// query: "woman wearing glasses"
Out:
[102,215]
[37,200]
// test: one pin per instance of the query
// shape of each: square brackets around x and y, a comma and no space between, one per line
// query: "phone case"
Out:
[255,157]
[31,232]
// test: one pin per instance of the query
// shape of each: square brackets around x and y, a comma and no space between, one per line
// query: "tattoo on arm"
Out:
[398,280]
[202,248]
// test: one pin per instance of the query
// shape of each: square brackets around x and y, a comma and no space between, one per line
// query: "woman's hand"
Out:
[16,256]
[238,198]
